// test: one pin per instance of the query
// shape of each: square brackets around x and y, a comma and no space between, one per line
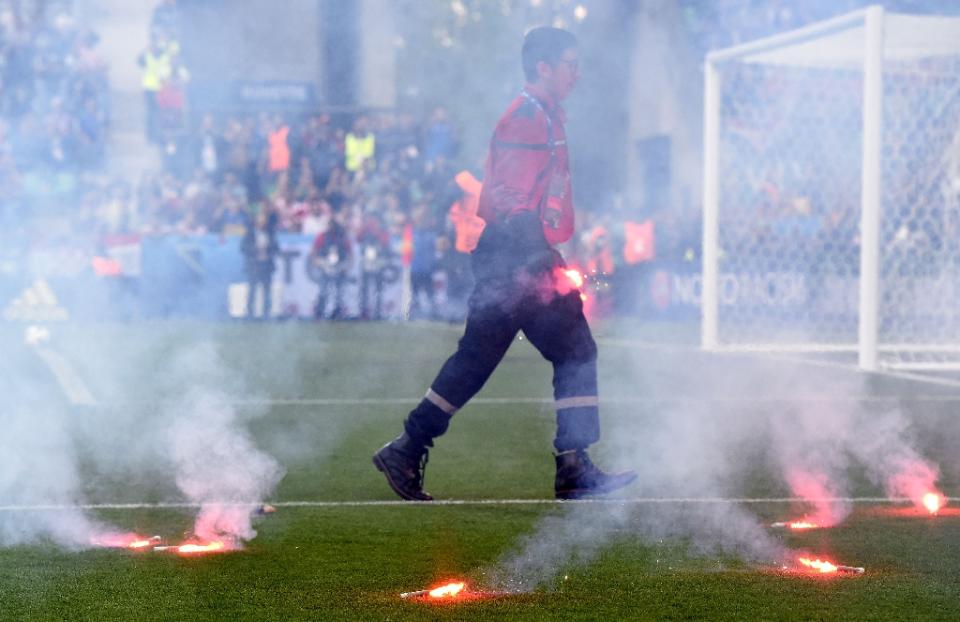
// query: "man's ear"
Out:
[544,69]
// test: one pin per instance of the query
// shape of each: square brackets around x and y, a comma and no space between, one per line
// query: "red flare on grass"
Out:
[195,548]
[450,590]
[822,566]
[934,501]
[210,547]
[916,479]
[126,541]
[797,525]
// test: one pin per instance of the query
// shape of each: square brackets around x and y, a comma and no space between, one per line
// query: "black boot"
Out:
[403,461]
[578,477]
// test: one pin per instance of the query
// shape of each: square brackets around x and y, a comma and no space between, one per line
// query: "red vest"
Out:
[528,168]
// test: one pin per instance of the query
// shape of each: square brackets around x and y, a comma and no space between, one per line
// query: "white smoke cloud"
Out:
[216,461]
[219,466]
[54,458]
[683,451]
[789,419]
[38,467]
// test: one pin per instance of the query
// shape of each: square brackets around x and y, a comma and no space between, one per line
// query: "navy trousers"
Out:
[518,291]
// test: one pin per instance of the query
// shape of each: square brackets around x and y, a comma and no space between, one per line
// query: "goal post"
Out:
[831,191]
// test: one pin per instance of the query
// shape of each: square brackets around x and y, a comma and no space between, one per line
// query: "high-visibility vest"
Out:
[357,149]
[279,155]
[156,70]
[463,213]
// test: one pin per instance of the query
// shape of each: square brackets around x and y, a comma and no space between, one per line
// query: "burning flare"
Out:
[576,278]
[193,548]
[449,591]
[819,565]
[933,501]
[446,591]
[797,525]
[126,541]
[186,549]
[824,567]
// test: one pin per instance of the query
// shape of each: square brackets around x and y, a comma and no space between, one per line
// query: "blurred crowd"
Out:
[54,107]
[384,183]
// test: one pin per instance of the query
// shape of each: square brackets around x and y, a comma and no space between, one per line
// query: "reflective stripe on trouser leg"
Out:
[440,402]
[578,422]
[430,418]
[575,402]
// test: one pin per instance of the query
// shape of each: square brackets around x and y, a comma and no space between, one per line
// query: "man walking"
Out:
[521,285]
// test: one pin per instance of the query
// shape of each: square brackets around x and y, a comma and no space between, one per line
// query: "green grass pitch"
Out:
[321,398]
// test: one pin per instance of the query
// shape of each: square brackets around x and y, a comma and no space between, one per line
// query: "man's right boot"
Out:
[578,477]
[403,461]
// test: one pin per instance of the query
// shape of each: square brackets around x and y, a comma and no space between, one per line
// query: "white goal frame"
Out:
[822,44]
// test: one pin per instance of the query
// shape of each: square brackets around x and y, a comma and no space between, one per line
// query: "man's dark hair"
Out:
[544,44]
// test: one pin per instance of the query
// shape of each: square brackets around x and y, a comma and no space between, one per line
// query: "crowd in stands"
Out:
[387,178]
[54,107]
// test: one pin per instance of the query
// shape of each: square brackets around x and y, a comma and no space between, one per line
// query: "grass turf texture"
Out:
[329,563]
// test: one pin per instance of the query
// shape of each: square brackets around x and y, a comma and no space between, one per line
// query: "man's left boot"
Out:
[578,477]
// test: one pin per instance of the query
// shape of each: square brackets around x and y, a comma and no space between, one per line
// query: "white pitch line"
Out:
[71,383]
[459,502]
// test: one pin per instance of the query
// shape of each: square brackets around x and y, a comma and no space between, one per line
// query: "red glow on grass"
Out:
[912,511]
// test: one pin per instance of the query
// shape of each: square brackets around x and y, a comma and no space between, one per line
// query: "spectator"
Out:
[317,219]
[206,149]
[359,145]
[374,243]
[439,139]
[157,64]
[329,261]
[278,149]
[172,95]
[423,263]
[165,19]
[260,248]
[320,148]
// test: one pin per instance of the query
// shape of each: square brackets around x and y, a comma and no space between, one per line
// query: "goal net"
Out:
[832,191]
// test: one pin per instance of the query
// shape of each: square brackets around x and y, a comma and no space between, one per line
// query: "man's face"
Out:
[560,77]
